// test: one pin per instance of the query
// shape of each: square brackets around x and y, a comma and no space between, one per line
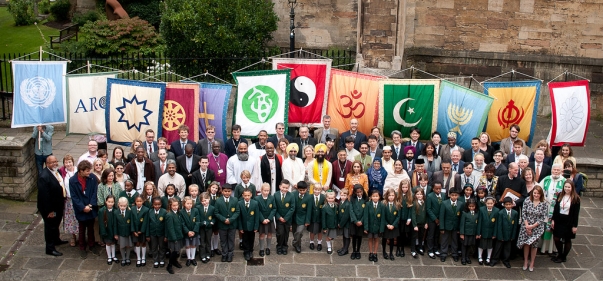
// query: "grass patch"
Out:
[21,39]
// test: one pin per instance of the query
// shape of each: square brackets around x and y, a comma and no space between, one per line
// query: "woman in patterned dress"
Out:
[533,214]
[70,224]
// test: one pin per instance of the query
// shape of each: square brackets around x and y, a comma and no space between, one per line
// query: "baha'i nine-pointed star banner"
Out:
[463,111]
[406,104]
[262,100]
[132,108]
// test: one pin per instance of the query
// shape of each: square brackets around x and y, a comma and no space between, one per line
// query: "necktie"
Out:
[537,173]
[375,207]
[454,167]
[182,147]
[331,205]
[203,178]
[472,213]
[226,200]
[282,198]
[390,207]
[509,215]
[454,207]
[150,149]
[316,200]
[129,195]
[162,168]
[156,213]
[247,205]
[205,210]
[489,212]
[123,214]
[397,151]
[189,213]
[439,199]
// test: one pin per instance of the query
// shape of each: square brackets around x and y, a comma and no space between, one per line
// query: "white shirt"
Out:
[352,154]
[234,167]
[293,170]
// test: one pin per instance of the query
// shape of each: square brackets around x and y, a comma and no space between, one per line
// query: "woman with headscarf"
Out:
[393,179]
[376,176]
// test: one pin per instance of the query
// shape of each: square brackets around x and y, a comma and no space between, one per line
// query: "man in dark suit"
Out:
[540,169]
[397,147]
[303,140]
[408,163]
[270,168]
[204,176]
[374,150]
[162,144]
[150,145]
[469,153]
[280,133]
[444,176]
[457,163]
[359,137]
[51,202]
[320,134]
[160,165]
[204,145]
[187,164]
[177,147]
[501,169]
[415,134]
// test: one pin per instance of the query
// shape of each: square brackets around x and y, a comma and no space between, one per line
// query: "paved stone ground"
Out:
[19,226]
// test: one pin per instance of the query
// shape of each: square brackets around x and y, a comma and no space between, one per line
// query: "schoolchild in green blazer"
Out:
[506,230]
[391,216]
[106,227]
[304,206]
[359,203]
[227,213]
[129,192]
[450,214]
[215,191]
[267,212]
[249,222]
[245,178]
[480,196]
[174,234]
[374,223]
[468,229]
[123,229]
[206,222]
[190,229]
[156,232]
[149,192]
[285,206]
[486,230]
[434,201]
[418,216]
[139,226]
[344,220]
[315,227]
[405,197]
[193,192]
[328,220]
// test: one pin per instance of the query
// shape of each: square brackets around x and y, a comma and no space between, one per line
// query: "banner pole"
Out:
[41,53]
[88,66]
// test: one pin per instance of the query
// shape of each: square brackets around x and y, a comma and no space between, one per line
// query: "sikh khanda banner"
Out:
[262,100]
[570,103]
[39,93]
[353,95]
[132,108]
[86,95]
[213,107]
[514,103]
[308,89]
[463,111]
[180,108]
[407,103]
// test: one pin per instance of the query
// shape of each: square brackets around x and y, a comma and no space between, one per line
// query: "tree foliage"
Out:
[22,11]
[106,37]
[216,29]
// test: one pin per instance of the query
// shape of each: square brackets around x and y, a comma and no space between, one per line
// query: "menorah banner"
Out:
[87,98]
[132,108]
[409,103]
[213,108]
[570,103]
[262,100]
[463,111]
[353,95]
[180,108]
[39,93]
[309,87]
[514,103]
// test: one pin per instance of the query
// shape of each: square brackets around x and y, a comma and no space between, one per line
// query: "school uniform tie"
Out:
[205,210]
[472,213]
[375,207]
[454,207]
[156,214]
[316,201]
[509,215]
[247,205]
[282,198]
[489,212]
[123,214]
[439,199]
[189,213]
[226,201]
[390,207]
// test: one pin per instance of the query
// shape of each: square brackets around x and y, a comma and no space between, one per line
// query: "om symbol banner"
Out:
[262,100]
[86,96]
[463,111]
[309,86]
[570,103]
[132,108]
[514,103]
[408,103]
[180,108]
[353,95]
[39,93]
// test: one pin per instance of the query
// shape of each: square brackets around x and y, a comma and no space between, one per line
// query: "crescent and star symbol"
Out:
[399,118]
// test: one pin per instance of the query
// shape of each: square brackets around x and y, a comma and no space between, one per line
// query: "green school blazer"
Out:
[433,206]
[468,224]
[106,223]
[156,223]
[329,216]
[486,223]
[418,217]
[213,201]
[164,202]
[392,216]
[506,228]
[404,211]
[426,190]
[373,219]
[173,227]
[230,212]
[343,214]
[303,208]
[357,213]
[147,203]
[124,223]
[249,220]
[139,219]
[206,219]
[130,198]
[238,192]
[267,207]
[316,209]
[284,206]
[190,221]
[449,218]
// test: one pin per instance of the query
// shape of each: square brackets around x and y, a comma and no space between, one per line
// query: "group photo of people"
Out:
[408,195]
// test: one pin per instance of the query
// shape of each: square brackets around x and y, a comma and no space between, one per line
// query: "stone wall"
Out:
[18,172]
[595,180]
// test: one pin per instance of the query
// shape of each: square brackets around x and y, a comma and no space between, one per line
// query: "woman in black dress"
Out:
[565,220]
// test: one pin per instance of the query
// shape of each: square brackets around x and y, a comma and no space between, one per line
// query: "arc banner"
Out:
[86,96]
[570,103]
[132,108]
[39,93]
[408,103]
[514,103]
[309,86]
[180,108]
[262,100]
[353,95]
[463,111]
[213,108]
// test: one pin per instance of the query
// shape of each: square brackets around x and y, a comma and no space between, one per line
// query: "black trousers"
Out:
[502,250]
[227,238]
[51,231]
[418,235]
[433,237]
[205,242]
[248,239]
[157,248]
[282,234]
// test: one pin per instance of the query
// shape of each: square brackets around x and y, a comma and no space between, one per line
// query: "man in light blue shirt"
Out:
[43,144]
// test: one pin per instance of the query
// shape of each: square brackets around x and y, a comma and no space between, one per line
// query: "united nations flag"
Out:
[463,111]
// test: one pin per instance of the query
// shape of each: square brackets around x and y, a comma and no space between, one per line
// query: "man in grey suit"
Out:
[320,134]
[161,144]
[150,145]
[204,145]
[161,164]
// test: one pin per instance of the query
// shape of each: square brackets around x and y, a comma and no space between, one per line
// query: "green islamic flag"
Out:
[406,104]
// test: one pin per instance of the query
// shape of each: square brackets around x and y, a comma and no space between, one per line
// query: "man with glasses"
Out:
[204,146]
[150,145]
[89,156]
[280,133]
[304,139]
[506,144]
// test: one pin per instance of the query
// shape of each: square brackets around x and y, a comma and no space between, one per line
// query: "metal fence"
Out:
[158,67]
